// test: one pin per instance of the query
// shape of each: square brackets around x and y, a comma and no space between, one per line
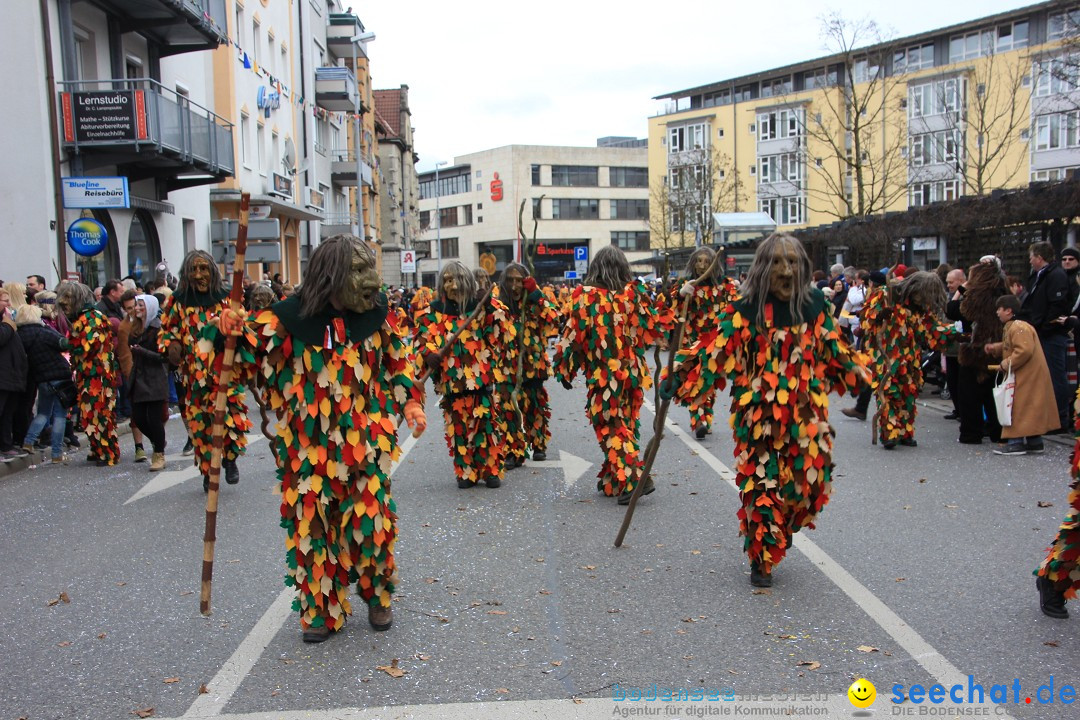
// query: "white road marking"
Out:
[228,679]
[573,466]
[905,636]
[169,478]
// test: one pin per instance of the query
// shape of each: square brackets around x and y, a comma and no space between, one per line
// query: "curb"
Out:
[11,467]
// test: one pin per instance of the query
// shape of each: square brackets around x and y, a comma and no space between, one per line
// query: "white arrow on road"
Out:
[573,466]
[168,478]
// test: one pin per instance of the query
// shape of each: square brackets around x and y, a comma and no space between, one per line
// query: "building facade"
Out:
[566,197]
[400,190]
[962,110]
[126,139]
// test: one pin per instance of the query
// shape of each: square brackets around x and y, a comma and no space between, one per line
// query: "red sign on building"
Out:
[496,189]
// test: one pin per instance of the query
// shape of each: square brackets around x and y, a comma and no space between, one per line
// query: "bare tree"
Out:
[854,142]
[528,244]
[995,117]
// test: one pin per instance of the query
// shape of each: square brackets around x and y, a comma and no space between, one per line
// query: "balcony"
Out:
[175,26]
[335,88]
[340,31]
[343,168]
[146,131]
[337,224]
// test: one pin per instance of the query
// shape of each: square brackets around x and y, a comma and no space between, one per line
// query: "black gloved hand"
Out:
[566,384]
[433,361]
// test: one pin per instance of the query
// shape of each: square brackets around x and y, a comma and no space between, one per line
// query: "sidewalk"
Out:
[945,407]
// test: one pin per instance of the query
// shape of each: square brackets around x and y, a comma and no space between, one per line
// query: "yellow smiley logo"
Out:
[862,693]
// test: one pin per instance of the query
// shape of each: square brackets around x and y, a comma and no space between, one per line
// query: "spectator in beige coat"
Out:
[1034,411]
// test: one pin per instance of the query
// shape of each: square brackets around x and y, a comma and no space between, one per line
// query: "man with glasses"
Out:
[1047,308]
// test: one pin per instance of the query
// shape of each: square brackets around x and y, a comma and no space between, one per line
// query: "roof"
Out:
[388,107]
[744,221]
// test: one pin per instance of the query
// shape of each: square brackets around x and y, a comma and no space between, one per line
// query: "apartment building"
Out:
[574,199]
[400,190]
[124,145]
[957,111]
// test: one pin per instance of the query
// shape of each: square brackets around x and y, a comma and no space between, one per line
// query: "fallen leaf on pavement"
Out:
[867,648]
[170,681]
[496,612]
[431,580]
[203,689]
[63,644]
[143,712]
[392,669]
[556,663]
[502,691]
[761,591]
[810,664]
[588,567]
[1043,503]
[1052,643]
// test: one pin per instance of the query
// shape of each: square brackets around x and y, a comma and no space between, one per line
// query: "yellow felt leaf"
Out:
[384,443]
[782,396]
[324,407]
[317,481]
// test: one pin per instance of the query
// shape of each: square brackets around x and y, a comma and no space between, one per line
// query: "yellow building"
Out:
[962,110]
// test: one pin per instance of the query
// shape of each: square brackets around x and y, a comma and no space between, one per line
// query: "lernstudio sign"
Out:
[104,117]
[95,192]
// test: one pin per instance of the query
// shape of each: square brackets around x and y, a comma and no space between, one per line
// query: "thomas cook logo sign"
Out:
[87,237]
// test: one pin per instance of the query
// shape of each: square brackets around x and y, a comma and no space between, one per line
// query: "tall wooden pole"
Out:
[236,303]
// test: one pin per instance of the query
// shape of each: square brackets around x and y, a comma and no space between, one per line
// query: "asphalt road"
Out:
[514,600]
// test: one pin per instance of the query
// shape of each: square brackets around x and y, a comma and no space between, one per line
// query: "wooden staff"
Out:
[220,408]
[661,412]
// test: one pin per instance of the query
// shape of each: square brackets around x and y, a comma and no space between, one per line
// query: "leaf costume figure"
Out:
[783,353]
[91,344]
[706,300]
[1058,576]
[612,321]
[466,371]
[898,323]
[523,398]
[337,369]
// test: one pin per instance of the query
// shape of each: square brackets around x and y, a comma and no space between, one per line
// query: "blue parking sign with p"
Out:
[581,252]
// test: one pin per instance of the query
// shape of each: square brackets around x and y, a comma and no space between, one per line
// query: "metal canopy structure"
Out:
[750,225]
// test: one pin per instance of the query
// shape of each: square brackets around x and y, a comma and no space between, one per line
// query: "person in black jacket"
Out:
[48,369]
[147,373]
[12,377]
[1046,307]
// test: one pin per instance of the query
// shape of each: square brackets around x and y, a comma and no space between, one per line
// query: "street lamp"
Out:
[354,41]
[438,224]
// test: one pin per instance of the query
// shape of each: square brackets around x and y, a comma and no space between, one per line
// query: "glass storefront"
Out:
[144,250]
[95,270]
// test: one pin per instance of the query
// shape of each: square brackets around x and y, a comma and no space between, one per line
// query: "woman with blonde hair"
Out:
[49,371]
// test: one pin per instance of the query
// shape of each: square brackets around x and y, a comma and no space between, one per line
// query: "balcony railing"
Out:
[335,88]
[142,123]
[343,168]
[176,26]
[337,223]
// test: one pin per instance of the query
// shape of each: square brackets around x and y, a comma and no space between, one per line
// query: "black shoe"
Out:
[493,482]
[232,473]
[465,484]
[909,442]
[1051,602]
[316,634]
[189,449]
[952,416]
[1035,449]
[624,499]
[888,444]
[539,455]
[700,432]
[854,413]
[72,442]
[206,483]
[970,440]
[758,578]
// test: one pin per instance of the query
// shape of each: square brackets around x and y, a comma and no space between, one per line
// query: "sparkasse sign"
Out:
[95,192]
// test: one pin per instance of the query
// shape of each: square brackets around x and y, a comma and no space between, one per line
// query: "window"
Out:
[238,28]
[629,209]
[776,87]
[275,153]
[935,148]
[133,67]
[575,209]
[1052,174]
[448,185]
[245,140]
[1055,76]
[780,124]
[783,210]
[1057,131]
[85,64]
[630,239]
[913,58]
[686,178]
[687,137]
[536,209]
[926,193]
[574,176]
[1065,24]
[721,97]
[535,174]
[779,168]
[936,98]
[865,72]
[745,93]
[819,78]
[425,218]
[256,41]
[448,248]
[637,177]
[260,146]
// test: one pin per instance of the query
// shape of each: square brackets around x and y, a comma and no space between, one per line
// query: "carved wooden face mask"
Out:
[701,264]
[362,287]
[515,283]
[451,288]
[200,275]
[782,274]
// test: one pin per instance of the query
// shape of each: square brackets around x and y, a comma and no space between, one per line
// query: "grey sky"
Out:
[483,74]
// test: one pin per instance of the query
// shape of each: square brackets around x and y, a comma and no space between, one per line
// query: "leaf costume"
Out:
[337,383]
[1061,566]
[703,316]
[183,320]
[781,375]
[92,360]
[469,371]
[605,338]
[527,419]
[898,334]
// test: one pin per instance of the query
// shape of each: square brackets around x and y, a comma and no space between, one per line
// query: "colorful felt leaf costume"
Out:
[337,384]
[898,333]
[466,379]
[95,368]
[183,320]
[527,414]
[605,338]
[781,375]
[703,316]
[1062,563]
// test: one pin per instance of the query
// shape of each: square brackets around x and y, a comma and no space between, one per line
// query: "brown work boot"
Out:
[854,413]
[316,634]
[157,462]
[381,618]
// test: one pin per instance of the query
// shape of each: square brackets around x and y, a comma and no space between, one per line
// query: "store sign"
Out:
[542,249]
[282,185]
[107,117]
[87,237]
[258,212]
[267,99]
[924,244]
[408,261]
[95,192]
[496,189]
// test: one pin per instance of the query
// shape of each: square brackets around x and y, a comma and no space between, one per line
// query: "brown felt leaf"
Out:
[203,689]
[392,669]
[144,712]
[867,648]
[64,598]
